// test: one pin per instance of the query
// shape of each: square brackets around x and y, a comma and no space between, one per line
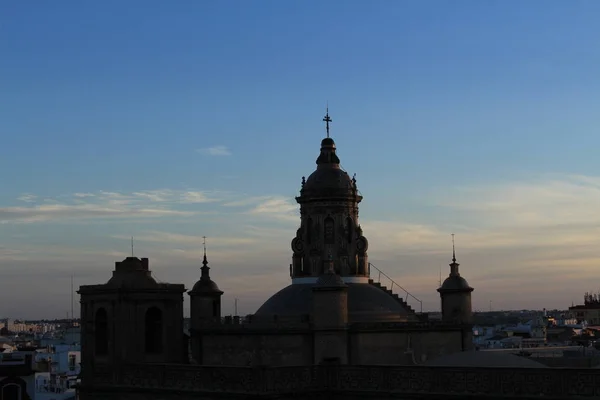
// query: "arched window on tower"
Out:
[309,228]
[101,332]
[349,229]
[329,231]
[153,328]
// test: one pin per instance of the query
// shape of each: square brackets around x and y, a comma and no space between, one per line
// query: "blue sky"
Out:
[170,121]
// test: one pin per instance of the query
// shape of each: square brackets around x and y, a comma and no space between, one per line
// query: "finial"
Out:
[453,250]
[204,267]
[204,261]
[132,247]
[327,120]
[454,265]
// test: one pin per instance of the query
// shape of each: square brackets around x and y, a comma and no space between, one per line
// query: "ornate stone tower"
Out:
[455,293]
[205,307]
[130,319]
[329,221]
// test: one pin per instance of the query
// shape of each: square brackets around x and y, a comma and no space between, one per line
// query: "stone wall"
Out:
[403,346]
[246,349]
[168,381]
[361,344]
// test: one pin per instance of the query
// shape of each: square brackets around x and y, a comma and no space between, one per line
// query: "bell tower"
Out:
[329,221]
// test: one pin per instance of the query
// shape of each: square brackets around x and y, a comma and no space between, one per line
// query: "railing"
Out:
[393,283]
[400,382]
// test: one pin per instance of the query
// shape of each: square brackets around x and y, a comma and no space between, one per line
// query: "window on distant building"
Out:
[153,330]
[72,362]
[101,332]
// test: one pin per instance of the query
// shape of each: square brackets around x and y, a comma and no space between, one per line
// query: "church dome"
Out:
[366,303]
[328,179]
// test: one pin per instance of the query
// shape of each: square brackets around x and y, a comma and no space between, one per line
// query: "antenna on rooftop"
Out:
[72,315]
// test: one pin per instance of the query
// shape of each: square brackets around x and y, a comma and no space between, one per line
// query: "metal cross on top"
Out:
[327,120]
[204,243]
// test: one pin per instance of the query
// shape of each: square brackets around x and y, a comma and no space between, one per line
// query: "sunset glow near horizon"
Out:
[170,122]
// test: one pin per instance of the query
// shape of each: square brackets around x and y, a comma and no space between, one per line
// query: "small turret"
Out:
[205,306]
[455,294]
[205,296]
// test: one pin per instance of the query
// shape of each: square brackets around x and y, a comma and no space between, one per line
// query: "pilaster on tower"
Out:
[328,202]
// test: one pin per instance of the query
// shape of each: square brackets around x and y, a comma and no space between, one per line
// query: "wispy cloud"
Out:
[559,200]
[194,240]
[49,212]
[215,151]
[278,207]
[27,198]
[104,204]
[246,201]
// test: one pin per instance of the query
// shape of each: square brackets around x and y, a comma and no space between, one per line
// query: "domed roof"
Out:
[491,359]
[205,285]
[328,179]
[132,280]
[455,282]
[132,273]
[366,303]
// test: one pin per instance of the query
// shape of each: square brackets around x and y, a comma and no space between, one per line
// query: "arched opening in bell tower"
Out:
[349,229]
[101,332]
[153,329]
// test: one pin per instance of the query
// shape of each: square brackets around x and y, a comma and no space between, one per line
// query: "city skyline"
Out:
[172,122]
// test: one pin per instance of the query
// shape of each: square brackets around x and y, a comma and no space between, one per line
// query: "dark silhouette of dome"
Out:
[132,273]
[366,303]
[328,179]
[455,283]
[205,285]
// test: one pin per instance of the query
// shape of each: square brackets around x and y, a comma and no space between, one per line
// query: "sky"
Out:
[169,121]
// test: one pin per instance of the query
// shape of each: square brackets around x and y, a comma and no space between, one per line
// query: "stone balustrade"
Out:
[403,382]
